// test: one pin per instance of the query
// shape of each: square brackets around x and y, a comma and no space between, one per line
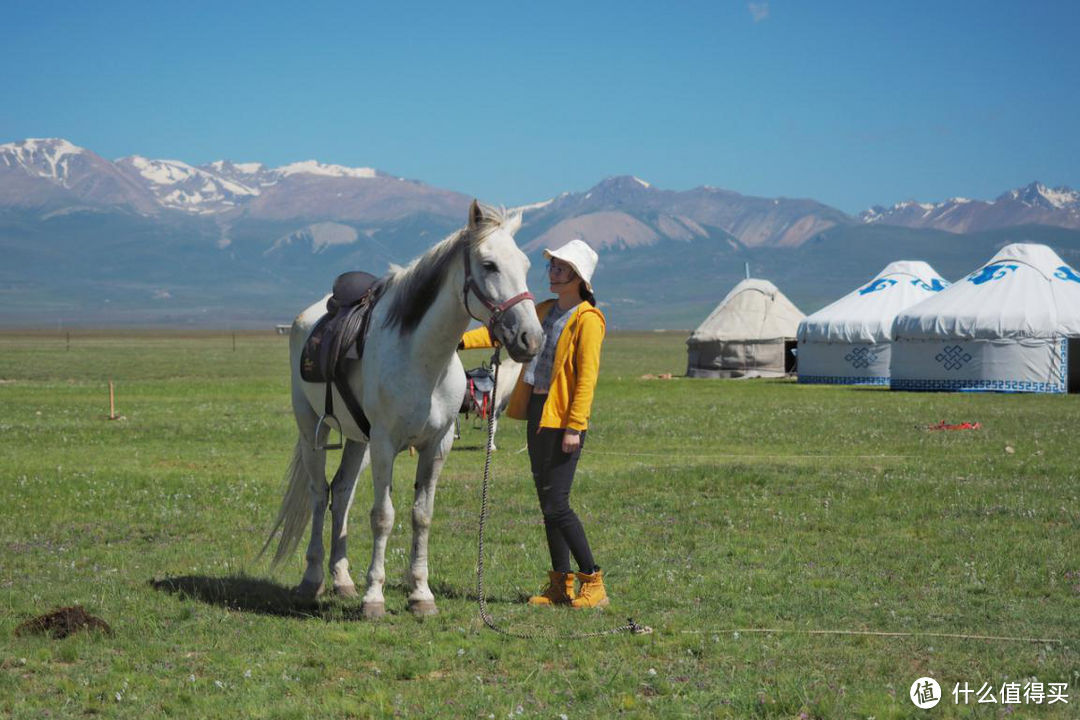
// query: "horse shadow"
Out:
[454,592]
[264,597]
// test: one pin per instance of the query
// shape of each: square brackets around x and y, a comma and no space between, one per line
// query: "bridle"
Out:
[497,310]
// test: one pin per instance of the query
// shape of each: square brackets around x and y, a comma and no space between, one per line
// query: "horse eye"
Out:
[490,267]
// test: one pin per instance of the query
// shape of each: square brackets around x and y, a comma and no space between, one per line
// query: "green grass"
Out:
[715,507]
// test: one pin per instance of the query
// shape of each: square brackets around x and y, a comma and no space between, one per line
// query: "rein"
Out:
[496,310]
[481,595]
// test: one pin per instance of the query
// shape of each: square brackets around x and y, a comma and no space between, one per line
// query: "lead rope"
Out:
[481,595]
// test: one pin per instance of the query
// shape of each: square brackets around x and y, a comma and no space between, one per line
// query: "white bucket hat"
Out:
[579,256]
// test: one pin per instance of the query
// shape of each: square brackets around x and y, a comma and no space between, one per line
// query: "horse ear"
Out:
[513,224]
[475,216]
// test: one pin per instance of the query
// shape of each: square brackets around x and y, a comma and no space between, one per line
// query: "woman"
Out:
[554,394]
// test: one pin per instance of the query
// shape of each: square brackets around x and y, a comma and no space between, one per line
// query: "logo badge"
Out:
[925,693]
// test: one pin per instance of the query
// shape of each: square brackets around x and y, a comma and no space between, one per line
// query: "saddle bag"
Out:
[479,384]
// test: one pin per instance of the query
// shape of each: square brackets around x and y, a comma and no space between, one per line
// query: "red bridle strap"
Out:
[496,310]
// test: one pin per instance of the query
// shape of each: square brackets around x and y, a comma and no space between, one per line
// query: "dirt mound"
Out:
[62,622]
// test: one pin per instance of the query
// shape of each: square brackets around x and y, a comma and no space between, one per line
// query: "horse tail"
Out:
[295,512]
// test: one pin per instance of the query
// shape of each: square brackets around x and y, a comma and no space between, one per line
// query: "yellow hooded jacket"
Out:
[573,373]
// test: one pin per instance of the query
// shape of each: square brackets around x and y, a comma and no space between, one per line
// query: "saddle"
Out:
[337,338]
[479,382]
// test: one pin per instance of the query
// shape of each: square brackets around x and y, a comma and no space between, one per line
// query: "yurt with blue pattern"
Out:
[1010,326]
[850,341]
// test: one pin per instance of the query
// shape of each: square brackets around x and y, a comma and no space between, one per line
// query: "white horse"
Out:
[508,377]
[410,383]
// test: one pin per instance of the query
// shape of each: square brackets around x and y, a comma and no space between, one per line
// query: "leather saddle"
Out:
[338,338]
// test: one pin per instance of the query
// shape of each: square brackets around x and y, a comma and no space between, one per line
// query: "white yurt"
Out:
[749,334]
[1005,327]
[850,341]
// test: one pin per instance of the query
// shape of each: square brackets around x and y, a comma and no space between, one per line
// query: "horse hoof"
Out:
[423,608]
[346,591]
[307,590]
[373,610]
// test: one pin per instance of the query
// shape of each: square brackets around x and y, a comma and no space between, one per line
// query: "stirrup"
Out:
[318,427]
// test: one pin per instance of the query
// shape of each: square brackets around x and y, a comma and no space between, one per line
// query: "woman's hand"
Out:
[571,441]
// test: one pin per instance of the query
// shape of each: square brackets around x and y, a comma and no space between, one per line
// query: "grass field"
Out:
[715,507]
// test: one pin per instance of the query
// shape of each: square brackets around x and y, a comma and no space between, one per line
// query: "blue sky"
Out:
[850,103]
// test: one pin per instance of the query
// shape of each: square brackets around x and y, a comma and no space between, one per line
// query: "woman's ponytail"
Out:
[586,294]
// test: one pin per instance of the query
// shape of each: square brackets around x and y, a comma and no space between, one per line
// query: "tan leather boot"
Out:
[592,593]
[560,590]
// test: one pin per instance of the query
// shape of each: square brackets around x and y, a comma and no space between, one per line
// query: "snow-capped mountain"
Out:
[1033,204]
[621,211]
[1037,195]
[179,186]
[51,158]
[250,175]
[222,185]
[54,173]
[312,167]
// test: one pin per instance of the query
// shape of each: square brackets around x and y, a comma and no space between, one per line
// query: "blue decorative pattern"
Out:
[1067,273]
[977,385]
[879,284]
[841,380]
[1063,366]
[953,357]
[861,357]
[936,285]
[1059,385]
[990,272]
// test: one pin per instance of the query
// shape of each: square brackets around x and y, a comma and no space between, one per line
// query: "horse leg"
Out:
[353,462]
[432,457]
[382,522]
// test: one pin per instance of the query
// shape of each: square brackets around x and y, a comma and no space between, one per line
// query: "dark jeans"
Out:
[553,473]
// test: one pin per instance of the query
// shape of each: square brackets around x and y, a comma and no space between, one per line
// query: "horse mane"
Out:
[412,289]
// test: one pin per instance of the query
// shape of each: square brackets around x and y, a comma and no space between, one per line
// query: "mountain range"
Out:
[1035,204]
[145,241]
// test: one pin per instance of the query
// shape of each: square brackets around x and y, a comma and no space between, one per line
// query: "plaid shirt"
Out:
[538,371]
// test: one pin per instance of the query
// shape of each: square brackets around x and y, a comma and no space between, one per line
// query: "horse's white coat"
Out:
[410,384]
[508,377]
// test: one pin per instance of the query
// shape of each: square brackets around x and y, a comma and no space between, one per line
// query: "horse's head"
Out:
[496,292]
